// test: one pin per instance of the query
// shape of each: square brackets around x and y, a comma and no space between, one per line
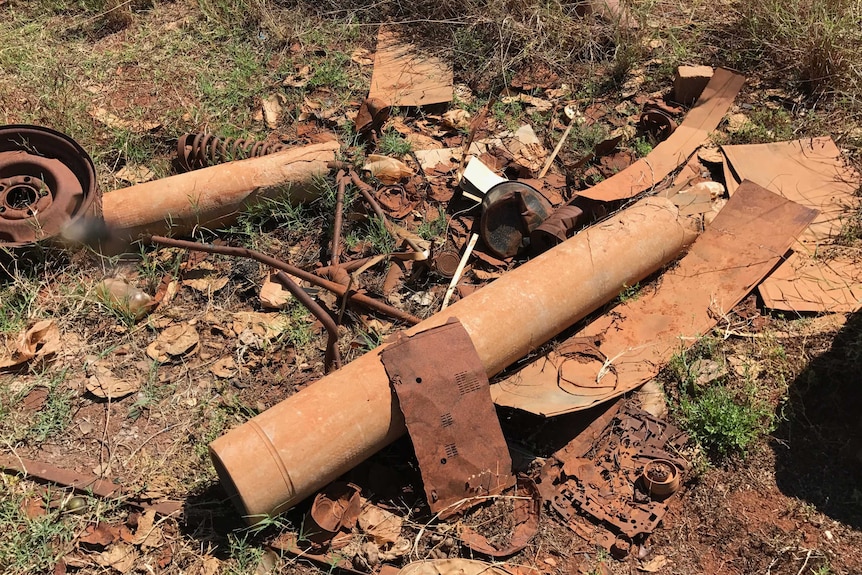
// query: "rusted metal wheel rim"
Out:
[47,181]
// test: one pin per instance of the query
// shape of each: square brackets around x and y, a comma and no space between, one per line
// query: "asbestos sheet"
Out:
[703,118]
[629,345]
[810,172]
[443,393]
[404,75]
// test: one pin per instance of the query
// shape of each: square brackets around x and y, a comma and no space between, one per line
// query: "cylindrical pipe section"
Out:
[216,195]
[285,454]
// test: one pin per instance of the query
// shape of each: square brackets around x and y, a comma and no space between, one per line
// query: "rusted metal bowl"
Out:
[660,478]
[47,181]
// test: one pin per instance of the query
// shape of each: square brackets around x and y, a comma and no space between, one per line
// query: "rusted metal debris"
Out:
[47,182]
[651,171]
[601,493]
[195,151]
[510,212]
[442,391]
[618,352]
[311,278]
[334,510]
[812,173]
[83,483]
[658,123]
[559,227]
[526,513]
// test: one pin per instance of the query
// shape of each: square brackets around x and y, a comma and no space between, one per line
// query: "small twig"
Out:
[459,270]
[807,557]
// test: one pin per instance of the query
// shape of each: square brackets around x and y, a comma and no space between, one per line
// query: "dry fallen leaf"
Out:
[209,565]
[654,564]
[176,340]
[383,527]
[265,325]
[224,367]
[457,119]
[387,170]
[104,384]
[134,174]
[120,556]
[112,121]
[300,79]
[148,534]
[271,107]
[362,56]
[208,284]
[41,339]
[273,295]
[101,534]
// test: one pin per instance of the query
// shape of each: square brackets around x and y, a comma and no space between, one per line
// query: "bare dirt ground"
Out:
[790,505]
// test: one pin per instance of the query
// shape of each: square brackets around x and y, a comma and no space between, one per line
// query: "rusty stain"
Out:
[600,495]
[46,182]
[442,390]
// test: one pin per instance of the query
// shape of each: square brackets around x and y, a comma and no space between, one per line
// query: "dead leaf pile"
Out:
[104,384]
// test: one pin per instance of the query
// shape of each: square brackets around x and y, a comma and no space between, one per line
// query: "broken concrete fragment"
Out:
[689,82]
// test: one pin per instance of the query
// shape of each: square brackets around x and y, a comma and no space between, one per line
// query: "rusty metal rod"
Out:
[350,266]
[368,194]
[335,288]
[335,252]
[332,353]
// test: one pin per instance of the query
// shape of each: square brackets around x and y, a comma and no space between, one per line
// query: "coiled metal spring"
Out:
[200,150]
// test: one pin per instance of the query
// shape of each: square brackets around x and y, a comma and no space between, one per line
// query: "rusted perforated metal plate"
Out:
[443,392]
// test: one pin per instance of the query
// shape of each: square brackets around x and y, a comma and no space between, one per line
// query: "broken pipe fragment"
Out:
[277,459]
[214,196]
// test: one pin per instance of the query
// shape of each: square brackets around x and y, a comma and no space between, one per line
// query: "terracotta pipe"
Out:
[215,196]
[275,460]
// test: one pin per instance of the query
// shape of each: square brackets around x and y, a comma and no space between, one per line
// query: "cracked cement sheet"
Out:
[404,75]
[703,118]
[810,172]
[629,345]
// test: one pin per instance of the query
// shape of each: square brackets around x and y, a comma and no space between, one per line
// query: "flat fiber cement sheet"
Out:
[404,75]
[702,119]
[629,345]
[810,172]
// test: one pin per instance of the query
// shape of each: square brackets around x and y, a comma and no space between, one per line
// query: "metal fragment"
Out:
[526,513]
[510,212]
[443,393]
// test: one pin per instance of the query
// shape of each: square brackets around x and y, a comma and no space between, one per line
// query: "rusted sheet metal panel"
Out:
[623,349]
[810,172]
[710,108]
[443,393]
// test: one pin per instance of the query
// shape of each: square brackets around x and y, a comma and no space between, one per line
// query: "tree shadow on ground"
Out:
[818,446]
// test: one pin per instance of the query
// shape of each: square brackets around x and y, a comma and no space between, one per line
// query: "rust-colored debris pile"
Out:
[533,240]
